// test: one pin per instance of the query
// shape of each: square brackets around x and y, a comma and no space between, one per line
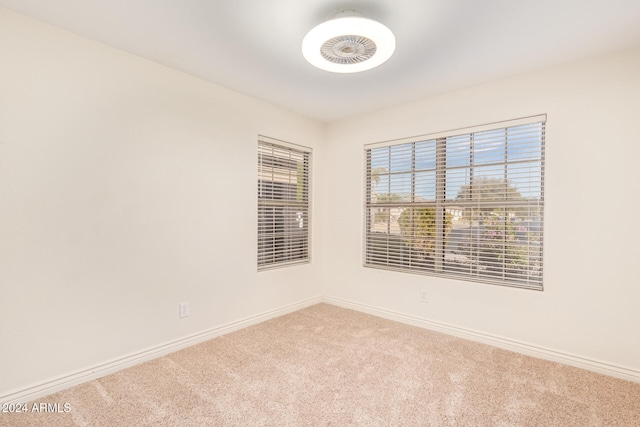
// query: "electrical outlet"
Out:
[184,309]
[423,296]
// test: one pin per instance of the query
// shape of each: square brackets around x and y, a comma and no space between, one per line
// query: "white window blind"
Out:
[283,203]
[465,204]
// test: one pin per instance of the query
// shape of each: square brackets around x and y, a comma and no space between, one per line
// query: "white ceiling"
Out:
[253,46]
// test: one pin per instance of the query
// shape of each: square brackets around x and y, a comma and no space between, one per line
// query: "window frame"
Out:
[374,242]
[284,204]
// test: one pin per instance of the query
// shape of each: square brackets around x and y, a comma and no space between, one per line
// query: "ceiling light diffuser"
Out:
[348,44]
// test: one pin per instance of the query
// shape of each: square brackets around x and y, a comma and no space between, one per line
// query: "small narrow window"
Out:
[284,223]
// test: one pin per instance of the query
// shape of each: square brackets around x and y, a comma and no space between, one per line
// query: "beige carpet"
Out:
[328,366]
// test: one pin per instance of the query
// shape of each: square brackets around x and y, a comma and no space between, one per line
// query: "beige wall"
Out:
[125,189]
[589,307]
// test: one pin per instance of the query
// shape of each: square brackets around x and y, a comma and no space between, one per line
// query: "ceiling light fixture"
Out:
[348,43]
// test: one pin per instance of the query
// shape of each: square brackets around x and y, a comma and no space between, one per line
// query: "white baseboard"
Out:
[507,344]
[62,382]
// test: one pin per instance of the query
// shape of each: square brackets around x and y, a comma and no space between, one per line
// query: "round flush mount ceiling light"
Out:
[348,43]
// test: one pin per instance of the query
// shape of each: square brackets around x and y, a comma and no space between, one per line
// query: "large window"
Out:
[283,203]
[464,204]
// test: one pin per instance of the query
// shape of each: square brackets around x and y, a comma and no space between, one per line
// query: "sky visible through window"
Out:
[496,154]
